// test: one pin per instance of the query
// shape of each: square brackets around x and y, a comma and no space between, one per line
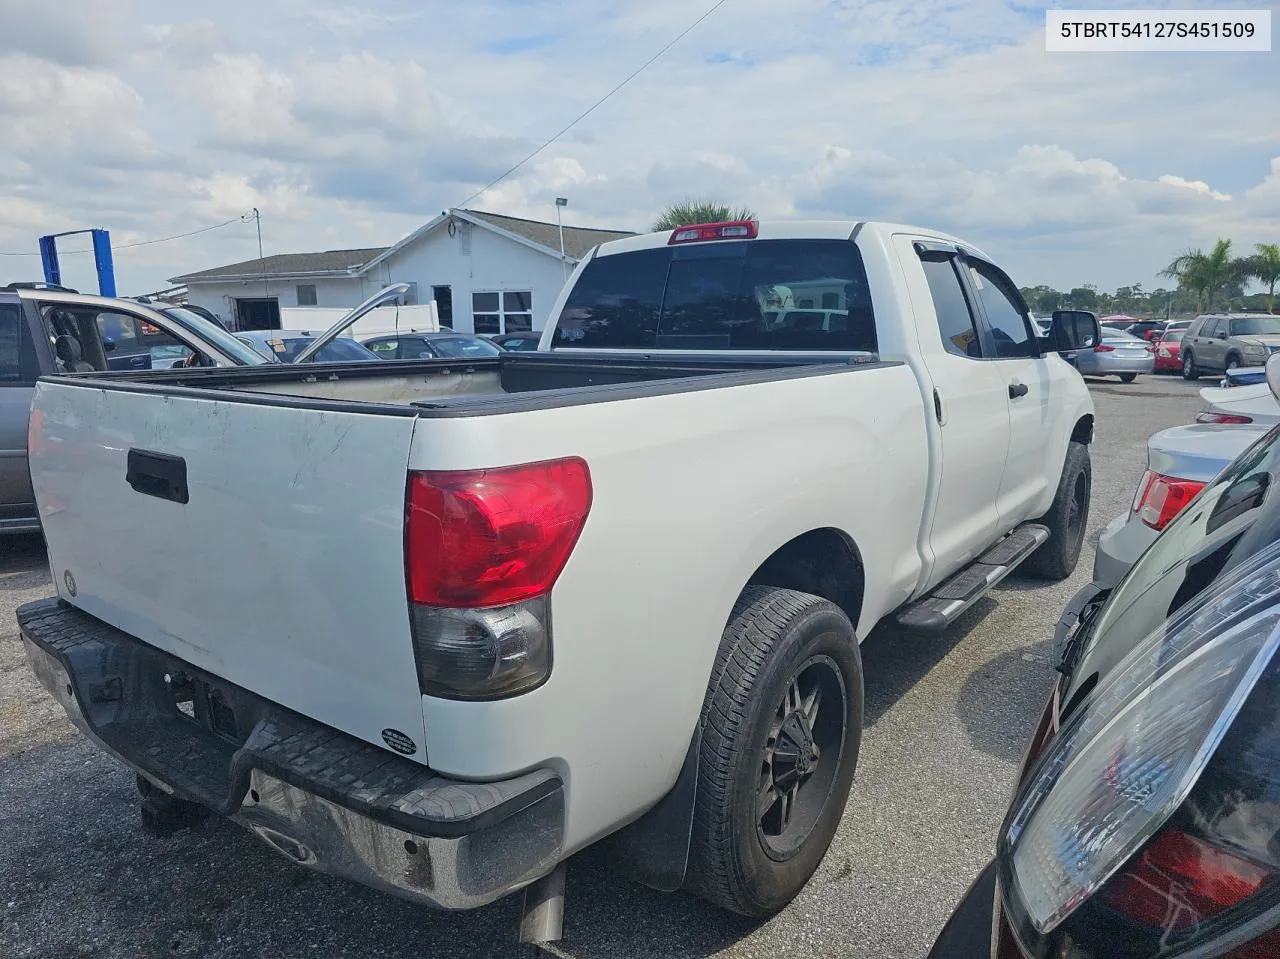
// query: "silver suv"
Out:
[1218,342]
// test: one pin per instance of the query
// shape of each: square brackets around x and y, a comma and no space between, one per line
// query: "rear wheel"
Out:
[782,724]
[1066,518]
[1128,377]
[1189,371]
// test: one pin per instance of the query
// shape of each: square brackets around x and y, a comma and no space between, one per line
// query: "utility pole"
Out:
[561,203]
[257,221]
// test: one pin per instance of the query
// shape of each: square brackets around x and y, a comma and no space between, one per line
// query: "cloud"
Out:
[82,36]
[350,124]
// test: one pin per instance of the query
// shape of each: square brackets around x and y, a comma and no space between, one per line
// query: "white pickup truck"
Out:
[437,625]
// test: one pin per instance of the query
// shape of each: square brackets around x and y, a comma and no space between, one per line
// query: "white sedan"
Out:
[1240,406]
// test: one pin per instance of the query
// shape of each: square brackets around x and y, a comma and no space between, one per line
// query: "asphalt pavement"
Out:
[947,720]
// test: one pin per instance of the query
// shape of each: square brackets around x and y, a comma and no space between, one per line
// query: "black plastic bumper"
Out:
[967,934]
[320,796]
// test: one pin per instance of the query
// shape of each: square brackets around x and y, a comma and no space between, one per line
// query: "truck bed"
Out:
[505,384]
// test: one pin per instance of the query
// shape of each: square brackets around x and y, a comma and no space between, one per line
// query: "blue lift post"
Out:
[101,259]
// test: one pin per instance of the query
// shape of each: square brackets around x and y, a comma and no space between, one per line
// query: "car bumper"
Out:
[1094,364]
[968,933]
[324,799]
[1120,544]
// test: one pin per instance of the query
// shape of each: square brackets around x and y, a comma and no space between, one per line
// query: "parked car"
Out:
[47,330]
[1225,341]
[500,658]
[1243,376]
[1173,326]
[1168,357]
[1181,461]
[414,346]
[518,342]
[1119,354]
[284,346]
[1239,406]
[1144,822]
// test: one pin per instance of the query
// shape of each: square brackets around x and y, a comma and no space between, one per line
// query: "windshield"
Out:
[214,334]
[1256,326]
[341,350]
[1173,336]
[739,295]
[463,346]
[1233,518]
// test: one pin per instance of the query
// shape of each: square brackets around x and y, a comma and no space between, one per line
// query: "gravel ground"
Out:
[947,720]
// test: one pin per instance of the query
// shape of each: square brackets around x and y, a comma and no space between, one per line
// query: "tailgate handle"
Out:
[158,474]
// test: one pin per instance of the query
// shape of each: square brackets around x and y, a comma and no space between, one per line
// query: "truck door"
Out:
[1034,430]
[18,372]
[969,404]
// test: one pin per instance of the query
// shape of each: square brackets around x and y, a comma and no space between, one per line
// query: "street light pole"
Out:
[562,202]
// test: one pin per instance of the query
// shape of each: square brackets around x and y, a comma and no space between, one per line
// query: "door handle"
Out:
[158,474]
[1017,389]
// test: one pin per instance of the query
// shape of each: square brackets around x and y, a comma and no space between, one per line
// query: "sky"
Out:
[350,124]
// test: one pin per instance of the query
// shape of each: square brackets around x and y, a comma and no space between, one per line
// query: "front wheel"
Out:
[782,724]
[1128,377]
[1233,363]
[1066,518]
[1189,371]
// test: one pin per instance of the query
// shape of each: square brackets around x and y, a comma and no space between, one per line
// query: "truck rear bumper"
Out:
[324,799]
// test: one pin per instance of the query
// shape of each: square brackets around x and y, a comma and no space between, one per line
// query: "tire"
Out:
[1066,519]
[778,646]
[1189,371]
[1233,363]
[1128,377]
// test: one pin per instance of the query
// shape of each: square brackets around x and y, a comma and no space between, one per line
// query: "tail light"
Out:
[1146,828]
[1223,419]
[483,548]
[1103,348]
[1181,880]
[700,232]
[1161,498]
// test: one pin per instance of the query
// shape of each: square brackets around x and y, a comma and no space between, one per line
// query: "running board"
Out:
[944,605]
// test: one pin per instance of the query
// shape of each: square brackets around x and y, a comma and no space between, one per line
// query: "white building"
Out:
[487,274]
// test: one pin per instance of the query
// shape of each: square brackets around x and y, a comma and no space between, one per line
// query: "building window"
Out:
[502,312]
[306,294]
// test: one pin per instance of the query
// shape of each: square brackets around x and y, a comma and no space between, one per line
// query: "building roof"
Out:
[578,240]
[336,262]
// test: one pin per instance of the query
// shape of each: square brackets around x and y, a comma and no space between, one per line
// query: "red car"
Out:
[1169,352]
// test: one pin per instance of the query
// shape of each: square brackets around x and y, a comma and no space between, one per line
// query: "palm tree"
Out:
[1264,266]
[1205,274]
[699,211]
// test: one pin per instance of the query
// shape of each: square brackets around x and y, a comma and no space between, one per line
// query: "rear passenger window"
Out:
[955,321]
[11,330]
[743,295]
[1010,329]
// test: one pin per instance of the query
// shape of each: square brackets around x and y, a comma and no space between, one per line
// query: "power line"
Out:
[591,109]
[162,239]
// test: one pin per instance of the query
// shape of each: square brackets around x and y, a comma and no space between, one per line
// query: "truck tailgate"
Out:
[283,570]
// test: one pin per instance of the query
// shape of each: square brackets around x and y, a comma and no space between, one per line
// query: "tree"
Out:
[699,211]
[1205,274]
[1264,266]
[1083,298]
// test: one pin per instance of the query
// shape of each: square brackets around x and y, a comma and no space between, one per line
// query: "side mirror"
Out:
[1073,330]
[108,345]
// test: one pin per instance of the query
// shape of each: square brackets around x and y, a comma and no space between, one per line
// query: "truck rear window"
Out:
[743,295]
